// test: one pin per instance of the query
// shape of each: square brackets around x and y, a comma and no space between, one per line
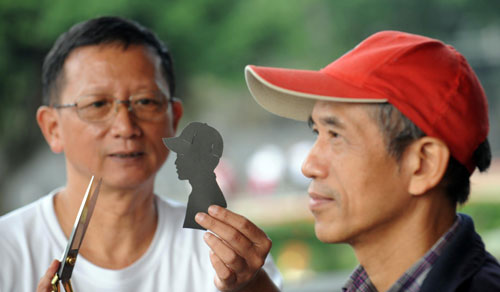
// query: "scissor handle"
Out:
[55,284]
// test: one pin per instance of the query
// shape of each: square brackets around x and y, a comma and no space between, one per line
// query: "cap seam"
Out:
[343,77]
[447,102]
[444,105]
[452,91]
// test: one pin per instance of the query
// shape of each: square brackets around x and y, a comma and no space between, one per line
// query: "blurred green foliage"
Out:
[486,215]
[216,38]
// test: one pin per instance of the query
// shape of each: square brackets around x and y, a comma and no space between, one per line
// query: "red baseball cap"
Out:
[426,80]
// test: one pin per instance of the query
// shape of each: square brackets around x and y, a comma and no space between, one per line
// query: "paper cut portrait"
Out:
[199,149]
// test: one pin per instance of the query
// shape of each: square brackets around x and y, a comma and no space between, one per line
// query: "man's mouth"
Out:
[127,155]
[318,200]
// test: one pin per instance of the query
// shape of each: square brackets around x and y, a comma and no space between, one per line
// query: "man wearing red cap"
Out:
[401,123]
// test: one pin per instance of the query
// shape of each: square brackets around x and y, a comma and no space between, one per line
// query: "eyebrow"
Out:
[331,121]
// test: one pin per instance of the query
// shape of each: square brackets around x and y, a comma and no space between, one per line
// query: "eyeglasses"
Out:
[99,107]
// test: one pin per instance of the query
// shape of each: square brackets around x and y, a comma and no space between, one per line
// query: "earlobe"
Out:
[427,159]
[49,125]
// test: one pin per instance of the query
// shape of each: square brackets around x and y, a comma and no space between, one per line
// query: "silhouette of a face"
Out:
[182,167]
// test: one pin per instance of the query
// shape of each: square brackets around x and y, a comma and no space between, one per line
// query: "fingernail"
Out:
[200,216]
[214,209]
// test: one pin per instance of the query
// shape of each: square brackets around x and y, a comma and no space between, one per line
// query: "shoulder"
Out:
[20,224]
[487,278]
[24,243]
[23,216]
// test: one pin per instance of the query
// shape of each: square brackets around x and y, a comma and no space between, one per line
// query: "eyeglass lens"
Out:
[147,106]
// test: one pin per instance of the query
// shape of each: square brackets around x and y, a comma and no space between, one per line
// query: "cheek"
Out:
[155,135]
[356,182]
[345,171]
[376,188]
[80,138]
[163,128]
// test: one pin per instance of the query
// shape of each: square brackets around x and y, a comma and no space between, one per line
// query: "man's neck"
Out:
[200,180]
[388,253]
[122,226]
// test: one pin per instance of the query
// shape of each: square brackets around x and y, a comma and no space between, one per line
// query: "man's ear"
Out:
[427,160]
[48,121]
[177,111]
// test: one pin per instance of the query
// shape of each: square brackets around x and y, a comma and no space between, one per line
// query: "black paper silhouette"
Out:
[199,149]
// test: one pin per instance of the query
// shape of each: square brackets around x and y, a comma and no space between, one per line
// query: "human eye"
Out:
[94,107]
[333,134]
[147,99]
[94,102]
[99,103]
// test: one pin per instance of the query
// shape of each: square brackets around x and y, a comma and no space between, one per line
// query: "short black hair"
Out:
[399,132]
[96,31]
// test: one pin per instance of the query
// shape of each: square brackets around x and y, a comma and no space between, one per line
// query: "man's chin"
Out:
[326,234]
[127,182]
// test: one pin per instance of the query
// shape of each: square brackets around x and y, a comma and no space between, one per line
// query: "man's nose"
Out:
[316,164]
[124,123]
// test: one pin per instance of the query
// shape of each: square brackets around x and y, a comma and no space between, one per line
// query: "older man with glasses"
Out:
[108,88]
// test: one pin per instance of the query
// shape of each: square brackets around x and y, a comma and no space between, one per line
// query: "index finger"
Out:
[45,284]
[240,223]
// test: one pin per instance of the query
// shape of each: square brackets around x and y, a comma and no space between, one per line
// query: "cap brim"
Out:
[292,93]
[176,144]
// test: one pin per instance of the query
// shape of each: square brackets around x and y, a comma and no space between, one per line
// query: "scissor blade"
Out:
[84,215]
[78,232]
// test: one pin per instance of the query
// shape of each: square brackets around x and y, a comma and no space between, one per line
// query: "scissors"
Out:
[76,238]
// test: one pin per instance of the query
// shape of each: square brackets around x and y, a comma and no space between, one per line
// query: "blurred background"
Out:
[211,42]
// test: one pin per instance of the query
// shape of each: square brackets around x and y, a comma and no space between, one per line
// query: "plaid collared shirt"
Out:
[412,279]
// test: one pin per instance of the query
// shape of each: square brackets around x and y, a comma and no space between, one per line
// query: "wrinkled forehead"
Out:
[351,119]
[344,112]
[95,58]
[104,64]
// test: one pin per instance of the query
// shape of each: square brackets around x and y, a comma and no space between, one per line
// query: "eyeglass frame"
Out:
[116,101]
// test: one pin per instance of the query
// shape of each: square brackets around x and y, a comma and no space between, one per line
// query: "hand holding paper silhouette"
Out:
[238,247]
[238,250]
